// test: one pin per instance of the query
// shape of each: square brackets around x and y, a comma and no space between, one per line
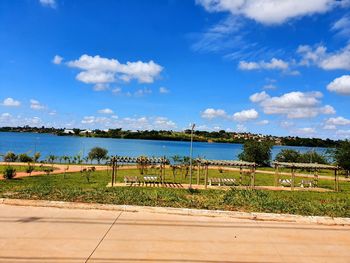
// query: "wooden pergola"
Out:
[204,165]
[115,161]
[315,167]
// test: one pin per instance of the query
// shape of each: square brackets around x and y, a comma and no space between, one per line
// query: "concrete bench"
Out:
[222,181]
[285,182]
[131,180]
[150,179]
[307,183]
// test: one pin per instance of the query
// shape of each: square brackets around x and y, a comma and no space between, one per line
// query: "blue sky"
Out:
[263,66]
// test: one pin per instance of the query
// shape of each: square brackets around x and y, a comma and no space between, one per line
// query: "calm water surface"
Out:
[68,145]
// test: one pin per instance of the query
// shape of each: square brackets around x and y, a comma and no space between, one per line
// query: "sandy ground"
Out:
[37,234]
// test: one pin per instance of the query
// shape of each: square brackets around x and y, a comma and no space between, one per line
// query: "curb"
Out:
[321,220]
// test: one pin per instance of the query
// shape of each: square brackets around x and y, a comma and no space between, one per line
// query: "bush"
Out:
[9,172]
[29,169]
[24,158]
[258,152]
[312,157]
[10,157]
[288,155]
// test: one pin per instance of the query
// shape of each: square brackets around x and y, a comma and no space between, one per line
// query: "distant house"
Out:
[67,131]
[85,132]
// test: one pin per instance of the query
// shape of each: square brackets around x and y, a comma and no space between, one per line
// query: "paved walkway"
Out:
[37,234]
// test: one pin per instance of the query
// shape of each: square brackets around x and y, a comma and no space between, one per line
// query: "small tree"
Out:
[10,157]
[36,157]
[342,156]
[98,153]
[24,158]
[258,152]
[51,158]
[288,155]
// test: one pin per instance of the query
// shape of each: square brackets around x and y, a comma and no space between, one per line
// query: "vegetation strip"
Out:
[182,211]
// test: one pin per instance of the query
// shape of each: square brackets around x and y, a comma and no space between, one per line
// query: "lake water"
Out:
[48,144]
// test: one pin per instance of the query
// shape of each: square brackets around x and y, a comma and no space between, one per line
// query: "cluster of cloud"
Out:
[340,85]
[294,105]
[103,71]
[10,102]
[273,64]
[142,123]
[242,116]
[342,26]
[271,11]
[48,3]
[36,105]
[319,57]
[7,119]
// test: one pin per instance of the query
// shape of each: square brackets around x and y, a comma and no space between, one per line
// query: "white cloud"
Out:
[245,115]
[269,11]
[57,59]
[320,57]
[274,63]
[342,26]
[340,85]
[338,121]
[142,92]
[258,97]
[101,71]
[163,90]
[211,113]
[141,123]
[263,122]
[48,3]
[221,36]
[10,102]
[329,127]
[106,111]
[36,105]
[306,131]
[117,91]
[294,104]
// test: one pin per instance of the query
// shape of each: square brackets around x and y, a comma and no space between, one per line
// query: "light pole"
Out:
[191,152]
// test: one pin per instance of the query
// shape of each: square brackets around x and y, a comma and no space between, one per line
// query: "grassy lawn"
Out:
[22,168]
[76,188]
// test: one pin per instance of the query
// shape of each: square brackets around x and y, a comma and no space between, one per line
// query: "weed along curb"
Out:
[183,211]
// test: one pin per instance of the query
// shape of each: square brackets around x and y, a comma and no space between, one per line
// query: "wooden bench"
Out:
[307,183]
[131,180]
[285,182]
[222,181]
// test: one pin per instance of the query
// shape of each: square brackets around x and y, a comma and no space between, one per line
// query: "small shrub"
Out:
[29,169]
[9,172]
[48,170]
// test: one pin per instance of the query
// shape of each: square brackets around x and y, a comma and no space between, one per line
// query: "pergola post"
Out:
[240,175]
[293,178]
[198,173]
[316,177]
[252,183]
[276,175]
[336,183]
[206,176]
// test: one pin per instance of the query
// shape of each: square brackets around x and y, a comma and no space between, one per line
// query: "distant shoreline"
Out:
[226,138]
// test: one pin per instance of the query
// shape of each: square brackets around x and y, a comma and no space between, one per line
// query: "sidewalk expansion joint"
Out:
[99,243]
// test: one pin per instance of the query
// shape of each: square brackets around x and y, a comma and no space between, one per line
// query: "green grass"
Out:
[75,188]
[22,168]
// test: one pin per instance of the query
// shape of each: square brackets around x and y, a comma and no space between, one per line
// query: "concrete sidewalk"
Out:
[44,234]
